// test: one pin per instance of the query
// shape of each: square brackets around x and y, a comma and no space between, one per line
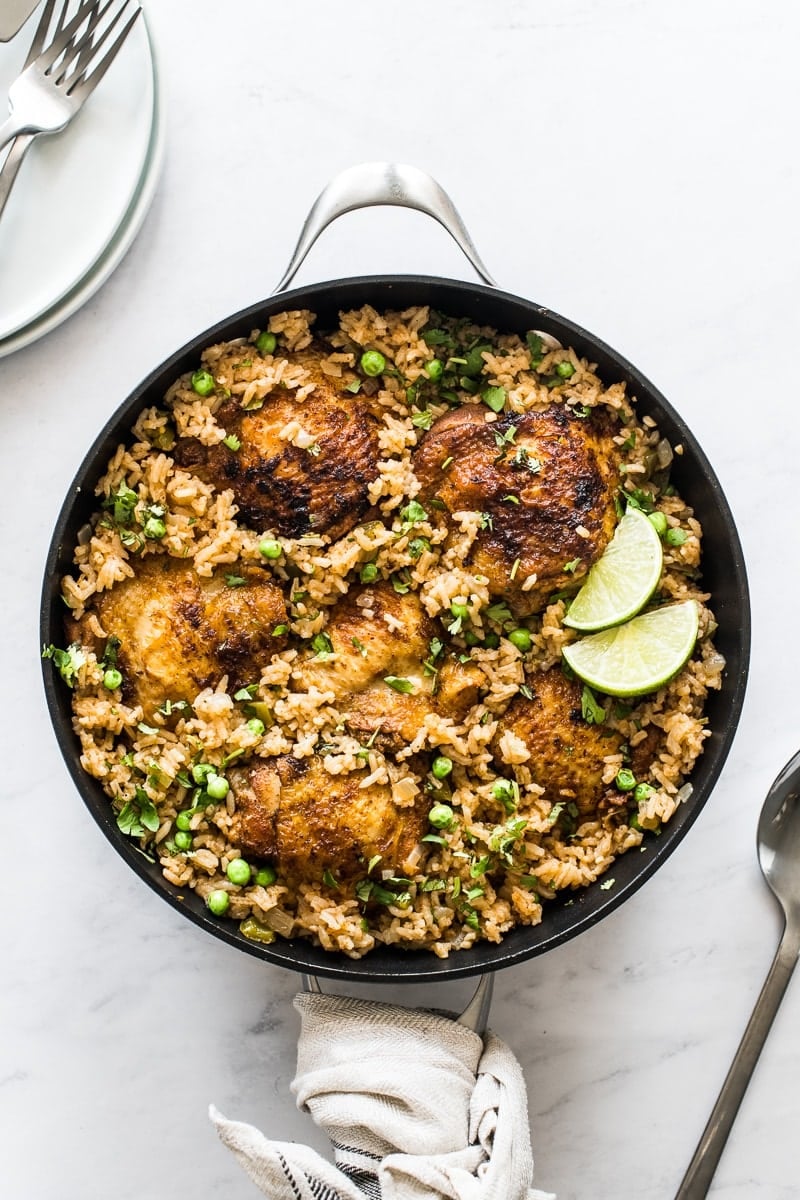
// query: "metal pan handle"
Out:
[475,1016]
[382,183]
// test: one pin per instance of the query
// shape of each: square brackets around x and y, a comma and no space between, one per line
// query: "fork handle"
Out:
[10,129]
[19,148]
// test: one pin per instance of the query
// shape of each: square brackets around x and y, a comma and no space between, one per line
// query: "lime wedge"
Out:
[639,656]
[622,581]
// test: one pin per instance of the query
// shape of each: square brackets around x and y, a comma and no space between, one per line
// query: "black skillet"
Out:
[723,571]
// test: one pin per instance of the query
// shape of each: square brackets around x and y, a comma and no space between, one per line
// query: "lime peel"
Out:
[639,656]
[623,579]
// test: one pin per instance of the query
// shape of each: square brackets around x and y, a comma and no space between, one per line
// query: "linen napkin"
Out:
[415,1105]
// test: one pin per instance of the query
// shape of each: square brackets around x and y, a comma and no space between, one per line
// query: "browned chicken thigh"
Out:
[544,480]
[180,633]
[377,634]
[566,752]
[321,488]
[307,821]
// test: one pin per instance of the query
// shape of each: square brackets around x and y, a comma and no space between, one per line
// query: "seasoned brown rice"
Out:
[446,904]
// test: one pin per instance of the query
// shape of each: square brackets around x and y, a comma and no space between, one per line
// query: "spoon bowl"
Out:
[779,838]
[778,841]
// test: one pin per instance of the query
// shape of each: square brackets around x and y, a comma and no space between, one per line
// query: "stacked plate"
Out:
[80,196]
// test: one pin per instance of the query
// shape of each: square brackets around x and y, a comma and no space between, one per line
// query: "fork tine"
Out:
[90,50]
[57,48]
[81,44]
[37,45]
[85,86]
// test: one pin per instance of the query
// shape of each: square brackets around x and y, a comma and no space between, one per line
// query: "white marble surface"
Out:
[630,163]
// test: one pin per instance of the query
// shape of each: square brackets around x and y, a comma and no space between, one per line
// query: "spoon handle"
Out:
[697,1180]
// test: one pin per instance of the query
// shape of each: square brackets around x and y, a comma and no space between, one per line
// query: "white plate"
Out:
[80,195]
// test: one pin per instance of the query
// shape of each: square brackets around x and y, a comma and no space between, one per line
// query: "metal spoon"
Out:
[779,857]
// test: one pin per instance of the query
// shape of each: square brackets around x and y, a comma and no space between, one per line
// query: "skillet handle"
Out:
[475,1015]
[382,183]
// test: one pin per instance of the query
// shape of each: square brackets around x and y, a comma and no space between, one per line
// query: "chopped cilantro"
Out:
[322,645]
[501,440]
[68,662]
[572,565]
[592,712]
[438,337]
[479,866]
[413,513]
[494,398]
[524,459]
[536,347]
[638,498]
[499,612]
[138,815]
[422,420]
[235,580]
[111,651]
[398,684]
[122,504]
[232,442]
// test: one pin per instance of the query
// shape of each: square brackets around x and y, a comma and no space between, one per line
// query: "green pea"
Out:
[417,547]
[442,766]
[459,610]
[373,363]
[256,727]
[625,780]
[520,638]
[183,821]
[659,522]
[642,791]
[112,679]
[471,637]
[238,871]
[217,787]
[201,772]
[154,528]
[491,641]
[269,548]
[203,383]
[266,876]
[219,902]
[435,369]
[565,369]
[441,816]
[266,342]
[369,573]
[183,840]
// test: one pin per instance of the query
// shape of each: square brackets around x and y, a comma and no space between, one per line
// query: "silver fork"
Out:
[54,83]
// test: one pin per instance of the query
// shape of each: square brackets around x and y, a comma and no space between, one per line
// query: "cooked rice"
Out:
[201,527]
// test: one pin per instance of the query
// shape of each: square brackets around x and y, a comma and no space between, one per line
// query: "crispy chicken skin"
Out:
[307,821]
[368,649]
[555,475]
[180,633]
[284,487]
[566,752]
